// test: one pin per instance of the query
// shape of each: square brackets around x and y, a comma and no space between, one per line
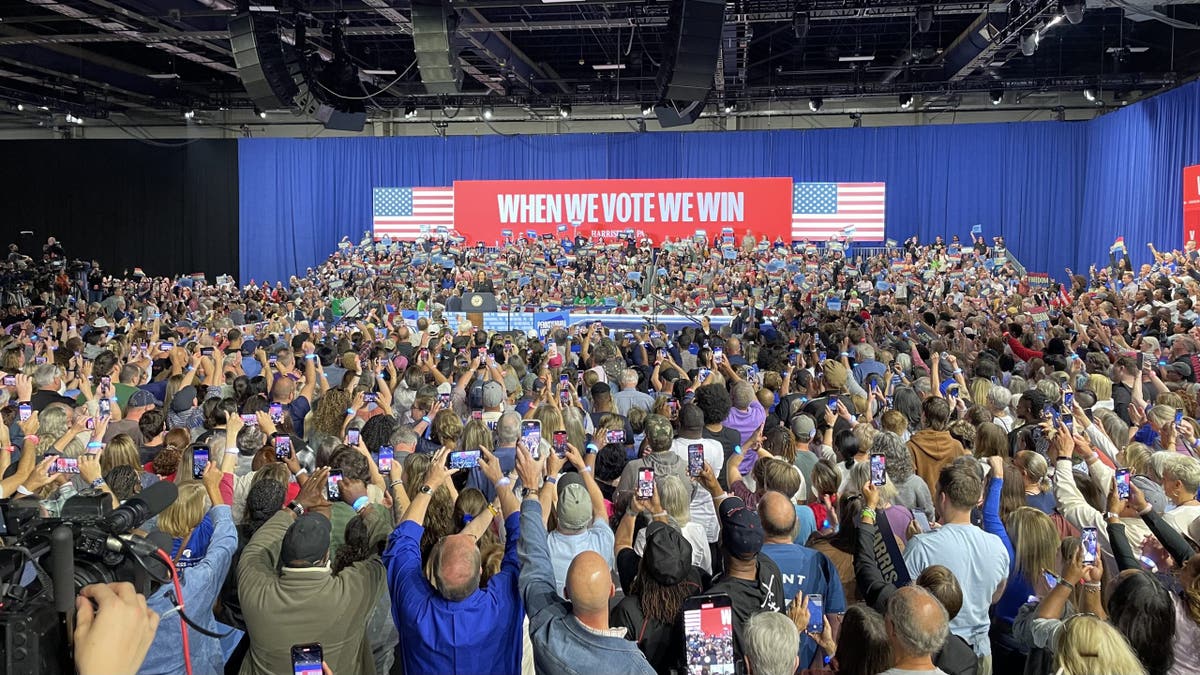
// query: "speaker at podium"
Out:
[479,303]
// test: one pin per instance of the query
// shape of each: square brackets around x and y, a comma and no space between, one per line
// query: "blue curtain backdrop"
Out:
[1057,192]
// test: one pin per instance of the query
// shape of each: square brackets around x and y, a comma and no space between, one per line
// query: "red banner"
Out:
[654,208]
[1191,204]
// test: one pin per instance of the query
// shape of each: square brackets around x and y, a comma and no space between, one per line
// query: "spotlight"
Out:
[730,107]
[855,120]
[997,96]
[262,114]
[1090,95]
[906,101]
[564,110]
[189,114]
[1029,42]
[647,110]
[410,111]
[924,18]
[487,112]
[1074,10]
[815,103]
[20,107]
[71,119]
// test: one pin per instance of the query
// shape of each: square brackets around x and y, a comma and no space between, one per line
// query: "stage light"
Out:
[189,114]
[1090,95]
[647,110]
[997,96]
[906,101]
[730,107]
[924,18]
[487,112]
[564,110]
[410,111]
[1029,42]
[815,103]
[20,107]
[262,114]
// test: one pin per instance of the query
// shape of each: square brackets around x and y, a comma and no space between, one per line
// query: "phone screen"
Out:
[1069,421]
[718,355]
[306,659]
[64,465]
[199,461]
[386,454]
[832,404]
[352,436]
[1179,416]
[10,380]
[250,420]
[1068,399]
[1123,483]
[24,411]
[283,447]
[276,412]
[90,424]
[531,438]
[708,634]
[645,484]
[878,469]
[1051,578]
[560,443]
[615,436]
[476,414]
[695,459]
[464,459]
[105,406]
[444,399]
[816,613]
[922,520]
[333,486]
[1090,543]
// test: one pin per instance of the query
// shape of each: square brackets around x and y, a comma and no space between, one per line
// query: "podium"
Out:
[476,305]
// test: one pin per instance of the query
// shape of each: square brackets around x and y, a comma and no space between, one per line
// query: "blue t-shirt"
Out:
[805,572]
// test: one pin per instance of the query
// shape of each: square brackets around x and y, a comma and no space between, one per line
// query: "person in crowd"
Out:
[917,626]
[932,446]
[427,612]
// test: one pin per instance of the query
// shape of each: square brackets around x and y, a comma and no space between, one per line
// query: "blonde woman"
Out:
[1039,492]
[203,542]
[1035,544]
[1088,645]
[899,517]
[121,450]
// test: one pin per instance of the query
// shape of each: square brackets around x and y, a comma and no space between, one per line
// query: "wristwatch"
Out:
[425,490]
[296,508]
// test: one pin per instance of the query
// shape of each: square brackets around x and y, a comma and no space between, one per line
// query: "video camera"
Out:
[46,561]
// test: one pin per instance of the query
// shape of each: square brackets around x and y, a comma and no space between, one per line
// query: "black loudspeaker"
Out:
[433,25]
[258,53]
[669,115]
[340,120]
[695,30]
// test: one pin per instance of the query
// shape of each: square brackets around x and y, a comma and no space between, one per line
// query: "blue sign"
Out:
[544,322]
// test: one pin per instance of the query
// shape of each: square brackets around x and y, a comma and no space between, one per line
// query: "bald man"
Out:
[283,387]
[431,617]
[572,635]
[805,571]
[917,626]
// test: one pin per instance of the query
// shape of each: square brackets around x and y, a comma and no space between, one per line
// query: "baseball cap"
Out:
[741,529]
[307,540]
[182,402]
[248,347]
[691,421]
[140,399]
[599,389]
[667,555]
[493,394]
[835,373]
[511,384]
[574,508]
[803,427]
[1180,368]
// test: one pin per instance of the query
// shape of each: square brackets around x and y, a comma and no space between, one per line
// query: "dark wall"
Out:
[125,203]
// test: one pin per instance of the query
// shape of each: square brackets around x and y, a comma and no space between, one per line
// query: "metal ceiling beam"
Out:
[976,46]
[496,47]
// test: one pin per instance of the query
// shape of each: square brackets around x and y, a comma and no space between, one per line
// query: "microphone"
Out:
[150,502]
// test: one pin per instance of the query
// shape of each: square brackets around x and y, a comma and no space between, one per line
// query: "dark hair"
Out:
[352,464]
[357,545]
[378,431]
[845,539]
[123,480]
[714,402]
[863,646]
[908,403]
[845,443]
[941,582]
[960,482]
[1144,612]
[152,423]
[217,411]
[937,412]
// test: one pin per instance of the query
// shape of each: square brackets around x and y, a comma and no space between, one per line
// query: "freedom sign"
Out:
[654,208]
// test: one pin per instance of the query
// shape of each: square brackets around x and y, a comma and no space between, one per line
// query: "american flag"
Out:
[823,211]
[410,212]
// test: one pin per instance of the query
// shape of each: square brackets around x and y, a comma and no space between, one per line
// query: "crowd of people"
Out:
[903,460]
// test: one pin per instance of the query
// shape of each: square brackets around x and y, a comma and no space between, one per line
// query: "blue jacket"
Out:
[481,634]
[560,643]
[200,583]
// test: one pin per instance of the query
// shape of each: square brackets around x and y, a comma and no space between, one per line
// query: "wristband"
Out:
[95,444]
[1146,510]
[660,514]
[956,371]
[1092,586]
[395,483]
[351,411]
[310,356]
[504,481]
[426,419]
[1109,515]
[591,448]
[97,483]
[737,449]
[587,469]
[868,513]
[552,480]
[360,503]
